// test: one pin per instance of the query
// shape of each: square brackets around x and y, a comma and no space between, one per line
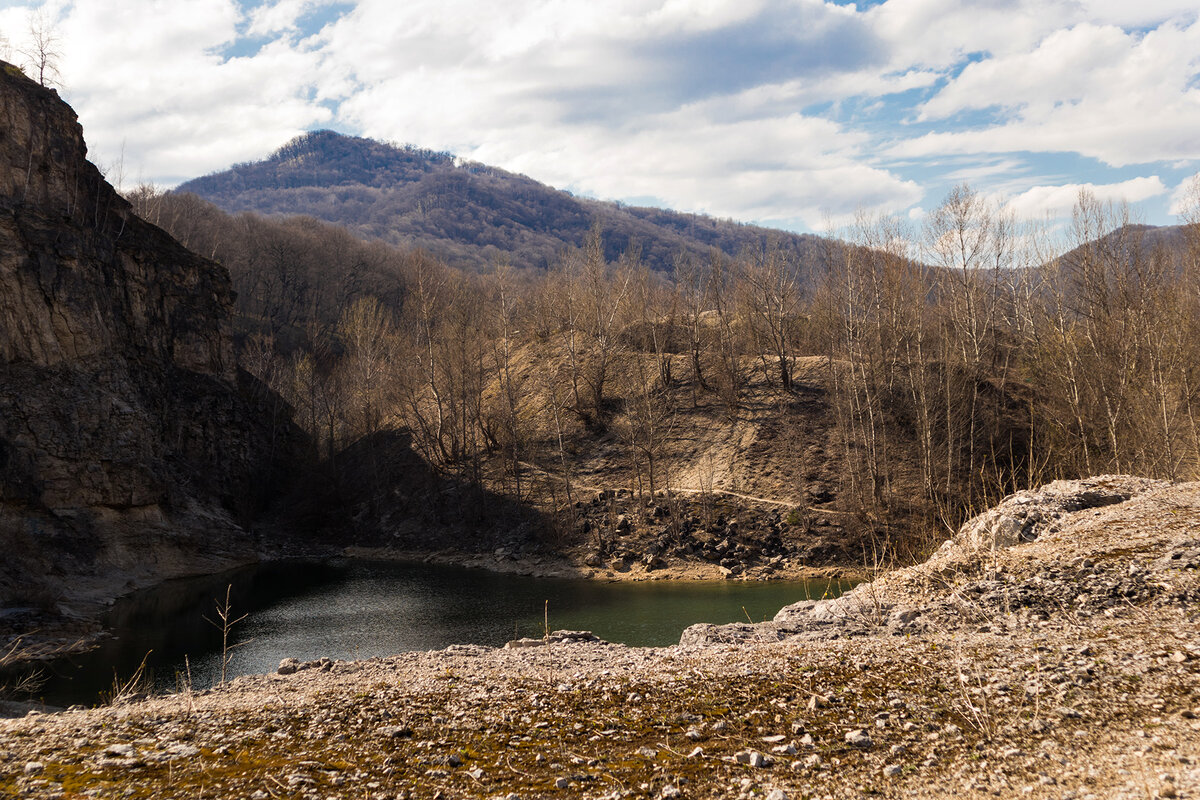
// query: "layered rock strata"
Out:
[131,449]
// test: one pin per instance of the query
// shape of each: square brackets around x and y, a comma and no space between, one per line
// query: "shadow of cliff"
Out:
[379,492]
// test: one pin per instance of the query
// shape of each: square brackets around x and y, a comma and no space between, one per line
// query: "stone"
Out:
[892,771]
[181,750]
[395,732]
[752,758]
[288,666]
[859,738]
[777,794]
[562,783]
[522,643]
[34,768]
[647,752]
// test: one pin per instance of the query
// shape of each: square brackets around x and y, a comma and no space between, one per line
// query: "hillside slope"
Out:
[471,215]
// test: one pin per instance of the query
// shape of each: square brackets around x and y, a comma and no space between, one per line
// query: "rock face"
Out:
[130,446]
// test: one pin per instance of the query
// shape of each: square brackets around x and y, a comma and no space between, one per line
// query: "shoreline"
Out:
[1063,667]
[552,567]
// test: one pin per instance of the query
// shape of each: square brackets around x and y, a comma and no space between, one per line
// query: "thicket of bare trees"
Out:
[960,362]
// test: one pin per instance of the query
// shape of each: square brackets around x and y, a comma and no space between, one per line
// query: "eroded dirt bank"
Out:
[1063,666]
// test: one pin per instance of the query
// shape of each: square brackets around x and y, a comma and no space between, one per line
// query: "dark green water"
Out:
[356,609]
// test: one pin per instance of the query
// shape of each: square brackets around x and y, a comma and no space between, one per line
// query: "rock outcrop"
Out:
[131,448]
[1069,544]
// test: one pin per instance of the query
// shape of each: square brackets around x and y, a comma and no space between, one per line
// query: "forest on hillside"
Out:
[949,365]
[467,214]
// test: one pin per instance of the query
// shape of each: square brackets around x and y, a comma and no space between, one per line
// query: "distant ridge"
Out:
[467,213]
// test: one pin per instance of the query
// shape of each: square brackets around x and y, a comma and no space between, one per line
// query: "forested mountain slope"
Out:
[467,214]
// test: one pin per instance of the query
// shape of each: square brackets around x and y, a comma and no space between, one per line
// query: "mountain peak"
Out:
[468,214]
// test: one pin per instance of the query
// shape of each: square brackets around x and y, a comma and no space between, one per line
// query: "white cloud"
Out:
[768,110]
[1040,202]
[1116,96]
[1185,199]
[152,82]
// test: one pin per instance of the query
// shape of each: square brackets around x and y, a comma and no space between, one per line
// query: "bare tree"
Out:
[42,52]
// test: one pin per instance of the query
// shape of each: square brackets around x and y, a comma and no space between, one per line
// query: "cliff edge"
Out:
[131,449]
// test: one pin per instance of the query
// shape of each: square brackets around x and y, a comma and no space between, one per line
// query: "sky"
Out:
[796,114]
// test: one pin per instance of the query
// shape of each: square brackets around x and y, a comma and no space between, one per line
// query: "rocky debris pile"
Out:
[1024,516]
[624,532]
[1056,549]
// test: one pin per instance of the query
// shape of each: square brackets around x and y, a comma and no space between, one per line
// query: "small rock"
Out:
[395,732]
[859,738]
[562,783]
[670,790]
[813,761]
[753,758]
[34,768]
[777,794]
[288,666]
[182,750]
[519,644]
[647,752]
[694,734]
[892,770]
[119,751]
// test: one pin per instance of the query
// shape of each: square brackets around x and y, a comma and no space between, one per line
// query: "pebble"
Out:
[892,770]
[753,758]
[859,738]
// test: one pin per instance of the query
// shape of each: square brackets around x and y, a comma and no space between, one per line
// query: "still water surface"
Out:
[357,609]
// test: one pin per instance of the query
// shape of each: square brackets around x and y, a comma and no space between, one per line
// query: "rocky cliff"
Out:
[131,449]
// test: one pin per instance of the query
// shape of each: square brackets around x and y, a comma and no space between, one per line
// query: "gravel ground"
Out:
[1051,650]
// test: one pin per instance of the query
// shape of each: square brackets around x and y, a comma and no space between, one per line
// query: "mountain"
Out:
[468,214]
[131,446]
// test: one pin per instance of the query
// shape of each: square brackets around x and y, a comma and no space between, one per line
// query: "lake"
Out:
[350,609]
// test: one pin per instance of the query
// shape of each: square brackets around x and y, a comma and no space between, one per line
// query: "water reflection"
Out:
[355,609]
